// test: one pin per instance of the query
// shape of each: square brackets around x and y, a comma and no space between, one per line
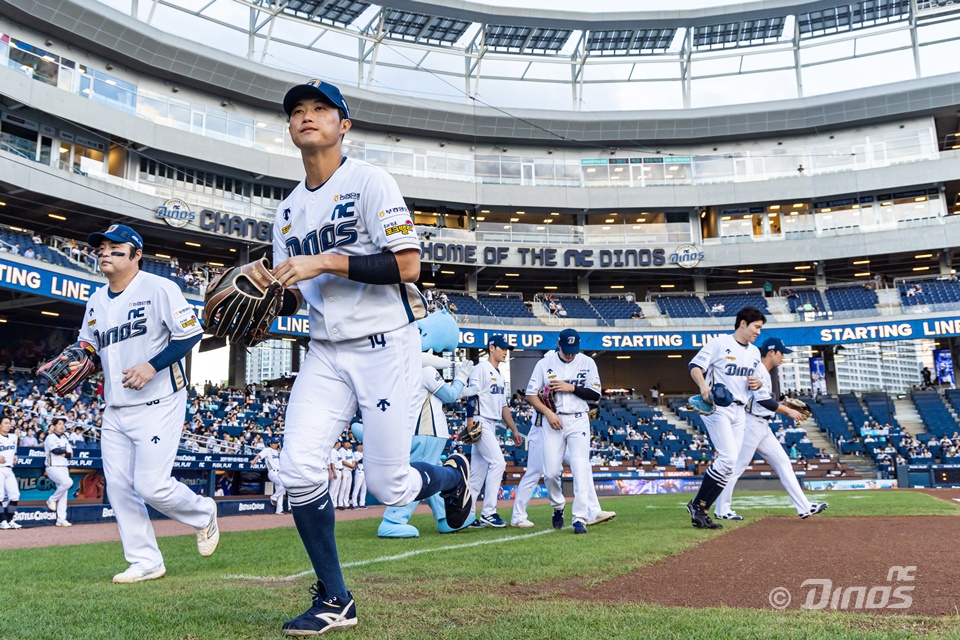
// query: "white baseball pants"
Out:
[346,484]
[486,467]
[758,438]
[379,374]
[10,491]
[725,428]
[335,481]
[138,445]
[359,497]
[574,440]
[278,491]
[61,477]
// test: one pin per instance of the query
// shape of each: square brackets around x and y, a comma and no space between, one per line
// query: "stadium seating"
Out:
[851,298]
[682,307]
[578,308]
[467,305]
[932,292]
[933,413]
[799,298]
[827,414]
[733,302]
[505,307]
[614,308]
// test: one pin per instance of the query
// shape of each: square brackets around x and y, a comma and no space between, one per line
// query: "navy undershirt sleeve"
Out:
[174,351]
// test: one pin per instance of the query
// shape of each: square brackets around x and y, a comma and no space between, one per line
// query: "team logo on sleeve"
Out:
[286,214]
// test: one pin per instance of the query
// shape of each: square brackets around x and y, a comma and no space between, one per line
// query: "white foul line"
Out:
[399,556]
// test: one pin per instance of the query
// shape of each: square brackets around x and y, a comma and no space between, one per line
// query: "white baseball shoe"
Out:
[523,524]
[209,537]
[14,525]
[733,515]
[603,516]
[135,574]
[51,505]
[4,524]
[64,523]
[814,510]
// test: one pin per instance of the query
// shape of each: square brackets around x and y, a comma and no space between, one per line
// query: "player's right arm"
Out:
[538,381]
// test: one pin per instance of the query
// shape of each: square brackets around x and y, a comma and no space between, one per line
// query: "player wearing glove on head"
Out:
[438,333]
[564,428]
[758,438]
[730,361]
[58,451]
[142,328]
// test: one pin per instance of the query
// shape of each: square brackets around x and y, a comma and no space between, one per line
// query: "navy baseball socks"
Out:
[710,490]
[436,479]
[316,522]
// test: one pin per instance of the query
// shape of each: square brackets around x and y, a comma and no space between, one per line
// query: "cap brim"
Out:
[94,239]
[302,92]
[570,351]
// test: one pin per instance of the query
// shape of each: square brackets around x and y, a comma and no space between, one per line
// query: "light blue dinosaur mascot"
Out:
[438,333]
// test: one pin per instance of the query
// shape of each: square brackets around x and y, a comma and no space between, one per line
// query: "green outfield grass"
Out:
[499,590]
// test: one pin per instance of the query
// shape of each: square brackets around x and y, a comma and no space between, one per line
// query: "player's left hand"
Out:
[561,387]
[754,383]
[136,377]
[297,268]
[517,437]
[793,414]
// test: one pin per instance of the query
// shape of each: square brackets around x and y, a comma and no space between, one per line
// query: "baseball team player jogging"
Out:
[344,242]
[58,453]
[270,455]
[9,489]
[141,327]
[724,372]
[561,385]
[487,408]
[759,438]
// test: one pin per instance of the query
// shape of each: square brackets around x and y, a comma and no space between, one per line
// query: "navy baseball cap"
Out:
[569,342]
[315,89]
[116,233]
[774,344]
[498,340]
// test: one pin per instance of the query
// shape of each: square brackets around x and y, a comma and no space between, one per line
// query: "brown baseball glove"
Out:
[799,405]
[242,303]
[57,371]
[470,435]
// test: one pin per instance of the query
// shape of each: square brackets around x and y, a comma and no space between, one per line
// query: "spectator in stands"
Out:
[4,248]
[793,454]
[29,253]
[636,315]
[767,289]
[30,439]
[561,312]
[927,376]
[37,239]
[76,436]
[717,309]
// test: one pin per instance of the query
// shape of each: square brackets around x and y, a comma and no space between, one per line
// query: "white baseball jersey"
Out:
[8,449]
[725,360]
[336,457]
[346,456]
[53,441]
[358,211]
[358,458]
[763,393]
[133,327]
[432,422]
[492,391]
[580,372]
[270,458]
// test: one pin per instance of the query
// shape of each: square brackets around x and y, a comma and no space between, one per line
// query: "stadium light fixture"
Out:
[162,255]
[554,213]
[502,286]
[861,275]
[923,255]
[744,281]
[514,219]
[191,244]
[623,357]
[798,279]
[512,275]
[540,228]
[16,229]
[3,320]
[616,286]
[802,267]
[2,203]
[215,264]
[520,213]
[484,210]
[725,218]
[744,270]
[233,250]
[675,355]
[774,207]
[861,262]
[667,286]
[798,205]
[548,221]
[449,273]
[703,214]
[920,199]
[826,210]
[480,218]
[921,268]
[56,217]
[52,314]
[428,284]
[550,287]
[609,221]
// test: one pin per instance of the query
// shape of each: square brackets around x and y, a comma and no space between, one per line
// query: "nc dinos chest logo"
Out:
[176,213]
[686,256]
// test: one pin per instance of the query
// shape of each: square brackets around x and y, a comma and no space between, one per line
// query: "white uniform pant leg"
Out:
[359,487]
[335,481]
[531,476]
[10,490]
[61,477]
[346,484]
[773,453]
[554,446]
[278,491]
[385,375]
[726,429]
[320,407]
[489,473]
[576,433]
[753,433]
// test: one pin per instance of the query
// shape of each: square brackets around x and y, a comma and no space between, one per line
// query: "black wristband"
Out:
[590,395]
[379,268]
[291,303]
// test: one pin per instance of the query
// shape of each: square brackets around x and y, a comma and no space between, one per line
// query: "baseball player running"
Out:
[574,380]
[142,327]
[488,407]
[345,243]
[58,451]
[270,456]
[730,360]
[10,491]
[758,438]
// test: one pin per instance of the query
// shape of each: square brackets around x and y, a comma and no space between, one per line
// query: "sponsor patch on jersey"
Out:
[186,324]
[141,303]
[184,314]
[732,358]
[399,228]
[347,196]
[393,211]
[92,322]
[286,229]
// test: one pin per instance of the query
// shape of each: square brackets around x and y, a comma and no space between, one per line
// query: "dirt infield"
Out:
[768,561]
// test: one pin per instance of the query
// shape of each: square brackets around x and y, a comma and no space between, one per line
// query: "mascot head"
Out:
[439,332]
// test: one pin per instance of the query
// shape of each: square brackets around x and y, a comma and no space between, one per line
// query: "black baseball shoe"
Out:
[814,510]
[557,519]
[699,517]
[326,614]
[458,502]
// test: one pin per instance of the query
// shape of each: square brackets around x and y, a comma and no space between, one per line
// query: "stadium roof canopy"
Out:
[597,58]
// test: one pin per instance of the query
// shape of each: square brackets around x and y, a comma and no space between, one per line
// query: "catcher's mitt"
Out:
[242,303]
[799,406]
[57,372]
[470,435]
[548,397]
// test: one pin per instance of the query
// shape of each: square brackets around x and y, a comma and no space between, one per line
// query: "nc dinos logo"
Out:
[686,256]
[176,213]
